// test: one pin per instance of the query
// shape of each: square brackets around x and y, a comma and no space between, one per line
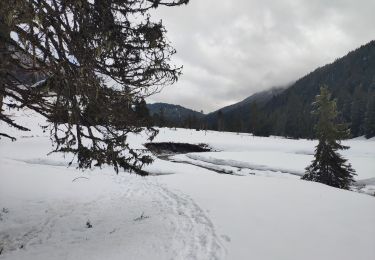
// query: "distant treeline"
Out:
[351,80]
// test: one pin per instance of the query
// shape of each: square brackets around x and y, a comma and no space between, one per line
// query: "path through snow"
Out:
[123,210]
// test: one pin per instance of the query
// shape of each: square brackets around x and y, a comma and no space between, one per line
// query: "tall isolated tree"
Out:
[162,120]
[98,60]
[370,117]
[328,166]
[253,125]
[358,110]
[220,121]
[142,112]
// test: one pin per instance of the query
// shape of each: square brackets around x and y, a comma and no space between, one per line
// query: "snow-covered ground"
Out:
[259,210]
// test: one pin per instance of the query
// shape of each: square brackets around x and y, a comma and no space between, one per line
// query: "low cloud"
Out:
[232,49]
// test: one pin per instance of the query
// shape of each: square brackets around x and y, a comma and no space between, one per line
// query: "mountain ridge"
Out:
[287,111]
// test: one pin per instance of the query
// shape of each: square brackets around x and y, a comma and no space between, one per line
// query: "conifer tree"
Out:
[253,118]
[142,112]
[97,59]
[220,121]
[162,120]
[329,167]
[370,118]
[358,110]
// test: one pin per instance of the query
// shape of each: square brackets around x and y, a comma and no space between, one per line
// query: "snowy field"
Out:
[259,209]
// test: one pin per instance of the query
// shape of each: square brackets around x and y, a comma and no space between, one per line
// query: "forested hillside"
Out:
[287,111]
[244,115]
[351,80]
[164,114]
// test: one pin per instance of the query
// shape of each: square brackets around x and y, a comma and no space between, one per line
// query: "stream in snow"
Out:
[203,156]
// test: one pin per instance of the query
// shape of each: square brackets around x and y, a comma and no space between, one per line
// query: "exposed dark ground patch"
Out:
[167,148]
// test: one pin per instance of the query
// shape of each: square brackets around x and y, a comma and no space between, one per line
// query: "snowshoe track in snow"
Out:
[192,228]
[194,235]
[178,227]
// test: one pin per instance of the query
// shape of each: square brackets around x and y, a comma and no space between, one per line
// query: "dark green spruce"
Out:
[370,118]
[329,167]
[86,66]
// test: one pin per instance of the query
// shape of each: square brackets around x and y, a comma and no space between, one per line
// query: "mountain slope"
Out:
[287,111]
[351,79]
[259,97]
[236,117]
[174,114]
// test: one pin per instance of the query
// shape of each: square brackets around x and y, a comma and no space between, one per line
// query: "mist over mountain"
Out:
[235,115]
[286,111]
[351,80]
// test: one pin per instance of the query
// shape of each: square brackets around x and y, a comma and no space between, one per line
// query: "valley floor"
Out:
[259,209]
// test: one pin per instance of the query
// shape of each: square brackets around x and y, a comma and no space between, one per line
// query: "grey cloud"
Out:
[231,49]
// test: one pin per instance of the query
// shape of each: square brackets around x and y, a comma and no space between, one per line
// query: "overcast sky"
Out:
[231,49]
